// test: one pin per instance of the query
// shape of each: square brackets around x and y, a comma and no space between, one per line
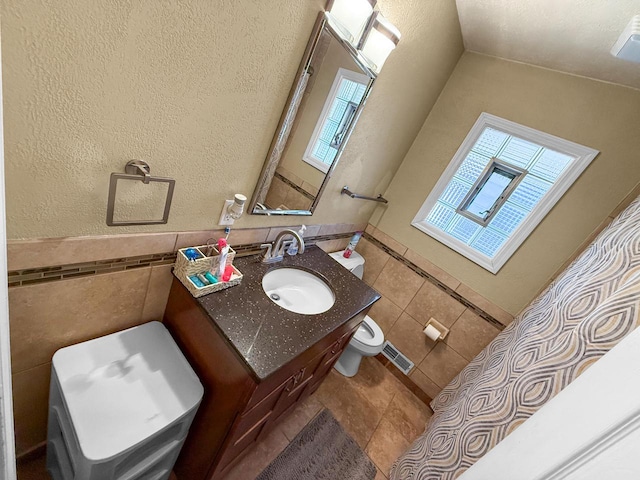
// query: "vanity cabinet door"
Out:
[329,358]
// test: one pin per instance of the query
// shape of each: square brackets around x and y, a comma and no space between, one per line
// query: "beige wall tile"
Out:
[312,189]
[238,236]
[385,313]
[406,334]
[310,231]
[427,385]
[470,334]
[333,245]
[289,175]
[386,445]
[375,260]
[432,269]
[241,236]
[442,364]
[277,193]
[157,293]
[389,241]
[332,228]
[431,301]
[192,239]
[46,252]
[30,405]
[296,200]
[47,316]
[370,229]
[491,308]
[398,282]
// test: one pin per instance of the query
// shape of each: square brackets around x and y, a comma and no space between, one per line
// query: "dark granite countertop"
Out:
[266,335]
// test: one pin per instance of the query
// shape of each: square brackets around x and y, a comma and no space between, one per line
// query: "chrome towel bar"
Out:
[345,191]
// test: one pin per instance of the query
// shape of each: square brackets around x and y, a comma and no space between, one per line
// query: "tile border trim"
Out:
[297,188]
[32,276]
[448,290]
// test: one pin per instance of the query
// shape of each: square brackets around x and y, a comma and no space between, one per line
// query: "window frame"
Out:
[583,157]
[343,73]
[479,184]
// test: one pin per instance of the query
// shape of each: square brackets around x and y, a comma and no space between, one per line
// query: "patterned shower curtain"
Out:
[584,313]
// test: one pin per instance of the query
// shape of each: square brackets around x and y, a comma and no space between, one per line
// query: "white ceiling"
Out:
[572,36]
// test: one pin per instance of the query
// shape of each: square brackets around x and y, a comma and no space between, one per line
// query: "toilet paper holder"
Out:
[435,327]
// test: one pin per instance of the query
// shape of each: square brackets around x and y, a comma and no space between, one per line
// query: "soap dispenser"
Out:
[293,247]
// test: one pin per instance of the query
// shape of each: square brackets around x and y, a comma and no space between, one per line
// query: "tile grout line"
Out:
[448,290]
[146,293]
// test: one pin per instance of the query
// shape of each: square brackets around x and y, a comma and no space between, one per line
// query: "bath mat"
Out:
[321,451]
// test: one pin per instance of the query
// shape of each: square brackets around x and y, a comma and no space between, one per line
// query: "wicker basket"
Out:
[196,291]
[184,268]
[187,267]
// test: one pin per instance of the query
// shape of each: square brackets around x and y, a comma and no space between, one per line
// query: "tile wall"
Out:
[68,290]
[413,291]
[288,191]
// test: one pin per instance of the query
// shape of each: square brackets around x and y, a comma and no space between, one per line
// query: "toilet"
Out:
[368,339]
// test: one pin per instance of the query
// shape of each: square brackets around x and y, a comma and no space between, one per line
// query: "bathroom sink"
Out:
[298,290]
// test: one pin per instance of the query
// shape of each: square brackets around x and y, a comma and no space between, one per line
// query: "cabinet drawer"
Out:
[242,441]
[249,417]
[337,339]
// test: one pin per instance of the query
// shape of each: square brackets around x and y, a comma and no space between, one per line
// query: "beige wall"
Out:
[195,88]
[595,114]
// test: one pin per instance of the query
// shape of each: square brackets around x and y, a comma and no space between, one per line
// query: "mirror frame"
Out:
[281,137]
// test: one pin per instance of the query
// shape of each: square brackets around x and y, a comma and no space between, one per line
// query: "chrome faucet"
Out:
[275,251]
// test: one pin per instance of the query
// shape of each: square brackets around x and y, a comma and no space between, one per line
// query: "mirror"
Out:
[327,96]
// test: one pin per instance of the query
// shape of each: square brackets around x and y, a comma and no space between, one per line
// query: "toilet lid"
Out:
[369,333]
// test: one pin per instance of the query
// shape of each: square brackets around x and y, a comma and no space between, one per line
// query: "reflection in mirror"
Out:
[325,101]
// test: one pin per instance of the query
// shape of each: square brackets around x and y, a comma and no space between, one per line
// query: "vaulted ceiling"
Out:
[573,36]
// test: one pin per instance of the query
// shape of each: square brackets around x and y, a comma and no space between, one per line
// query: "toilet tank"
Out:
[355,263]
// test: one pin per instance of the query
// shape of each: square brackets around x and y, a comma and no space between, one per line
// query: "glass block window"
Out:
[502,181]
[340,107]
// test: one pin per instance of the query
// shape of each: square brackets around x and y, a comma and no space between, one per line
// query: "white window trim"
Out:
[343,73]
[584,156]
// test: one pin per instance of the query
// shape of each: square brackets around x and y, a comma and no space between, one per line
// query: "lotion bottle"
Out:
[293,248]
[352,245]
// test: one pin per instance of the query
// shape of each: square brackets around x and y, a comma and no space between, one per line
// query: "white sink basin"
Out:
[298,291]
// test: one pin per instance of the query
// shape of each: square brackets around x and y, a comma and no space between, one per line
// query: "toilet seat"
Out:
[369,334]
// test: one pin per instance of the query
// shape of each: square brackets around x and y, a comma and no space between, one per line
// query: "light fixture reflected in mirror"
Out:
[378,40]
[350,17]
[366,30]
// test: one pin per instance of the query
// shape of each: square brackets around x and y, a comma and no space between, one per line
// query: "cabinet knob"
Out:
[336,348]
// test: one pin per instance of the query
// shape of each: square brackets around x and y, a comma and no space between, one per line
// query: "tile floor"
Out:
[374,407]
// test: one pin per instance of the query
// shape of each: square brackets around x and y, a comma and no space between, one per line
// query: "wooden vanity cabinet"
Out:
[239,409]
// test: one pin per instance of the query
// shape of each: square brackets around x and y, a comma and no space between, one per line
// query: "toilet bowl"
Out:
[368,339]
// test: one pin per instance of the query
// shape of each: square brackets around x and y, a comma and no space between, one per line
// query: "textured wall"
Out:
[196,88]
[596,114]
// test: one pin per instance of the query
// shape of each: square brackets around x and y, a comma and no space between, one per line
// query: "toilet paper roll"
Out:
[432,332]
